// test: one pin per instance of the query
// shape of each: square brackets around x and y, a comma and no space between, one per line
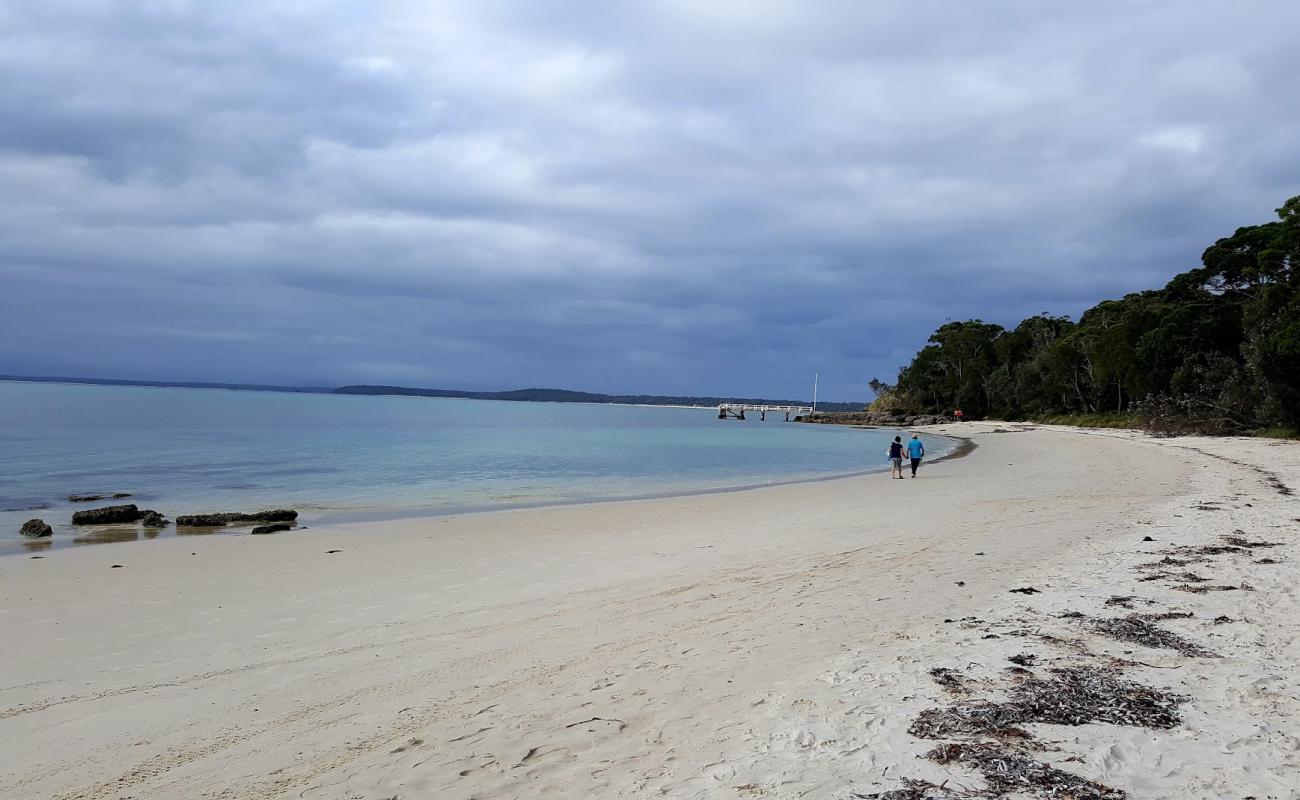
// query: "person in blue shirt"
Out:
[915,451]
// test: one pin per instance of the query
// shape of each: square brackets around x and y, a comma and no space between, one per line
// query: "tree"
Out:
[1220,341]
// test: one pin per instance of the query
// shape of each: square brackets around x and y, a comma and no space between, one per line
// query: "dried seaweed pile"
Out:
[1238,539]
[1160,616]
[921,790]
[1073,696]
[1081,695]
[1187,577]
[1214,549]
[1139,631]
[1012,772]
[1203,588]
[1168,561]
[970,720]
[950,679]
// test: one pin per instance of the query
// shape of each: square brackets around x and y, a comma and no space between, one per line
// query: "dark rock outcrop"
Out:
[276,528]
[228,518]
[152,519]
[90,498]
[107,515]
[36,528]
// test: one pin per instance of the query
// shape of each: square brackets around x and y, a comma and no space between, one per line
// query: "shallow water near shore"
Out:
[184,451]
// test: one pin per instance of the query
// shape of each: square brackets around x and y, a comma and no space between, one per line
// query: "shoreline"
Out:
[311,520]
[774,643]
[962,447]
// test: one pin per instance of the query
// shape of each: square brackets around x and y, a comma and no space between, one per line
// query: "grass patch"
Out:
[1280,432]
[1125,419]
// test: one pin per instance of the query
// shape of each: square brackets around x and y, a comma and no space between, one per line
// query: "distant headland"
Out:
[571,396]
[520,395]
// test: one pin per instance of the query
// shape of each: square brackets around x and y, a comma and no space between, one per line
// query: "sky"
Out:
[713,198]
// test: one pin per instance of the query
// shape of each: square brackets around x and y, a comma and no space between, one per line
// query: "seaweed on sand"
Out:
[969,720]
[1238,539]
[1160,616]
[1007,772]
[950,679]
[1072,696]
[919,790]
[1168,561]
[1203,588]
[1135,629]
[1218,549]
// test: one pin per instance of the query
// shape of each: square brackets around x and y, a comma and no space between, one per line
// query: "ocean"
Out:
[351,457]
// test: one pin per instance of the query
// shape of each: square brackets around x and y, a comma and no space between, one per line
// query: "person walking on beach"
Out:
[915,451]
[896,458]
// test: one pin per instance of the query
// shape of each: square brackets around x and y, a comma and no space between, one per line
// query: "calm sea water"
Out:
[184,451]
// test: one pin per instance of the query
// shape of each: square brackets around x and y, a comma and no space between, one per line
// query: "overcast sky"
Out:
[714,197]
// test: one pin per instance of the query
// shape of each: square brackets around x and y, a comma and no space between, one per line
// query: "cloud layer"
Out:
[645,197]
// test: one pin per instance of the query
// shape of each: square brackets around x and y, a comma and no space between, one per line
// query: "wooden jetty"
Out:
[737,411]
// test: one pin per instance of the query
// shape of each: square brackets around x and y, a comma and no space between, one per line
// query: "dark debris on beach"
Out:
[1070,696]
[950,679]
[1134,628]
[1007,772]
[1202,588]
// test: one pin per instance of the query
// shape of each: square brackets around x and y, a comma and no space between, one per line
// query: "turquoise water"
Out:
[185,451]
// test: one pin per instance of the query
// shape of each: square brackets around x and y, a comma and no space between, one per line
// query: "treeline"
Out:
[1216,350]
[570,396]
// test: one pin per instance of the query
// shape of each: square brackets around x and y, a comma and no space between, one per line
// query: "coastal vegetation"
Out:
[1216,350]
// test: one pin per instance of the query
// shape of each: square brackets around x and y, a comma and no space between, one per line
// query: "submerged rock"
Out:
[276,528]
[227,518]
[90,498]
[107,515]
[36,528]
[152,519]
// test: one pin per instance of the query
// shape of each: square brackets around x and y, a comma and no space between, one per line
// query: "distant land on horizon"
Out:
[571,396]
[517,395]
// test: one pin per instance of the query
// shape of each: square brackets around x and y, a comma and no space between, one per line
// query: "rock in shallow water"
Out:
[107,515]
[90,498]
[221,520]
[36,528]
[276,528]
[152,519]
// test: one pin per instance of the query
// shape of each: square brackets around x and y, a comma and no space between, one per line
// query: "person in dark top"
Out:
[896,458]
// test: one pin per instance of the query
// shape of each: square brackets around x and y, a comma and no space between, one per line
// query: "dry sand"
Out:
[767,643]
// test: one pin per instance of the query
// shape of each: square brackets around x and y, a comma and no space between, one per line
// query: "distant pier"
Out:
[737,411]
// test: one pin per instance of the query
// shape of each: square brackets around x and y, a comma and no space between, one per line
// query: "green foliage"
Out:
[1217,349]
[1127,420]
[1279,433]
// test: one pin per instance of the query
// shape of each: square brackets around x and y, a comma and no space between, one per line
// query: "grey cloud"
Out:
[643,197]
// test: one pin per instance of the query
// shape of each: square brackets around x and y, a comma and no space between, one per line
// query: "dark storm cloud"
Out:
[673,196]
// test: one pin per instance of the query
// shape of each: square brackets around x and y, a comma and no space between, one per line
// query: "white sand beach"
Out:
[772,643]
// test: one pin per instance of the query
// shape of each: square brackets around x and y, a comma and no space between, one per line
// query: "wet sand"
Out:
[775,642]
